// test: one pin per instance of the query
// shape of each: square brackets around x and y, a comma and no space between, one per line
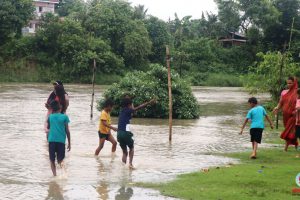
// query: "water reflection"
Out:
[54,192]
[124,193]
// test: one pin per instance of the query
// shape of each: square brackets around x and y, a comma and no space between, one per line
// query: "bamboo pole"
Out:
[93,83]
[170,93]
[291,33]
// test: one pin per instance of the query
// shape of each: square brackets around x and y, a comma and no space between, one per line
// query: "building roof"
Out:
[238,34]
[230,40]
[47,1]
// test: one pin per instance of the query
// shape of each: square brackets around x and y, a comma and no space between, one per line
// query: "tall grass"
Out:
[223,80]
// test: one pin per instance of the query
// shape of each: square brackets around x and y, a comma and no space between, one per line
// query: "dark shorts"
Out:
[56,149]
[125,139]
[256,134]
[102,135]
[298,131]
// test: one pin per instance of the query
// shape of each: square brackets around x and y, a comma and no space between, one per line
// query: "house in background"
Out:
[41,7]
[233,39]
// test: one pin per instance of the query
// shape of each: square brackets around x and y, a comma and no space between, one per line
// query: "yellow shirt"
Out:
[106,117]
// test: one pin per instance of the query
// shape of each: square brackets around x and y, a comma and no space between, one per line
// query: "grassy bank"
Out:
[22,71]
[270,177]
[34,74]
[216,80]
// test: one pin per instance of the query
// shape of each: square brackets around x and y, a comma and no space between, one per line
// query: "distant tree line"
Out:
[122,38]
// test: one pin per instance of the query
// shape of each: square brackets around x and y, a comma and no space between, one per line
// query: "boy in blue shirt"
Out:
[124,135]
[58,131]
[256,115]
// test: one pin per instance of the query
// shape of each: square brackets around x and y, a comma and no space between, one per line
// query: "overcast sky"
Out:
[164,9]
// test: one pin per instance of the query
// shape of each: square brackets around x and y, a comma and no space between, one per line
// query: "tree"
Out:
[113,22]
[229,14]
[110,20]
[14,15]
[160,37]
[180,29]
[67,45]
[267,74]
[277,35]
[69,7]
[137,46]
[140,12]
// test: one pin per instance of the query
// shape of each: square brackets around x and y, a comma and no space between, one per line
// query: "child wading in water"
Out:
[256,115]
[58,131]
[105,127]
[124,135]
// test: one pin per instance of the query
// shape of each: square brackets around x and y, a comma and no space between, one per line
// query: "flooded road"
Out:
[24,167]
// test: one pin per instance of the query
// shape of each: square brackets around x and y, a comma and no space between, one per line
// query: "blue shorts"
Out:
[56,149]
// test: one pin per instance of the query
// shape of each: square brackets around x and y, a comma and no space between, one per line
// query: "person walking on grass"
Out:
[105,127]
[287,104]
[124,135]
[256,115]
[58,131]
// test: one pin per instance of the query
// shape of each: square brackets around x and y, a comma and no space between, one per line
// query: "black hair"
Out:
[252,100]
[54,106]
[126,102]
[108,103]
[291,78]
[60,92]
[298,91]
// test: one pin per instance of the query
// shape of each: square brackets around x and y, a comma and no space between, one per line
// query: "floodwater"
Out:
[24,167]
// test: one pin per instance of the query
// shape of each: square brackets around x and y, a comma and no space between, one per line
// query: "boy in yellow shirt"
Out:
[105,127]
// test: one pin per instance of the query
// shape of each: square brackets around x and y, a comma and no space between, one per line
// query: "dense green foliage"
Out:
[123,38]
[144,86]
[268,75]
[14,15]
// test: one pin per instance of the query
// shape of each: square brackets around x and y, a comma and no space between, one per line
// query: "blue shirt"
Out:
[57,132]
[257,117]
[124,118]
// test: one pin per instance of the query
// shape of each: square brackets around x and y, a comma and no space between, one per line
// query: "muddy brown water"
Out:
[24,167]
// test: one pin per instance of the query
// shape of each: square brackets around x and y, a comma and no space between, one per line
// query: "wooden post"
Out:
[93,93]
[170,92]
[291,33]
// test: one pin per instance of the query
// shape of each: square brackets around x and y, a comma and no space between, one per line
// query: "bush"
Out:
[223,80]
[143,86]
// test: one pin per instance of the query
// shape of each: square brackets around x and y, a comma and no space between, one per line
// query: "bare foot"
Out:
[131,167]
[253,156]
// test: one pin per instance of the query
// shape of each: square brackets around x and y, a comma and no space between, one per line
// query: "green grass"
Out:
[270,177]
[223,80]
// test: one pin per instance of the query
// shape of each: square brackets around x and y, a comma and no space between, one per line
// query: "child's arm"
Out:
[69,137]
[144,105]
[243,127]
[104,122]
[269,120]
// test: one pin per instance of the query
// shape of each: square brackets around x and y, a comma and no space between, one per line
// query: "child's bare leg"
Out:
[53,168]
[255,148]
[131,154]
[61,164]
[114,143]
[125,154]
[100,147]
